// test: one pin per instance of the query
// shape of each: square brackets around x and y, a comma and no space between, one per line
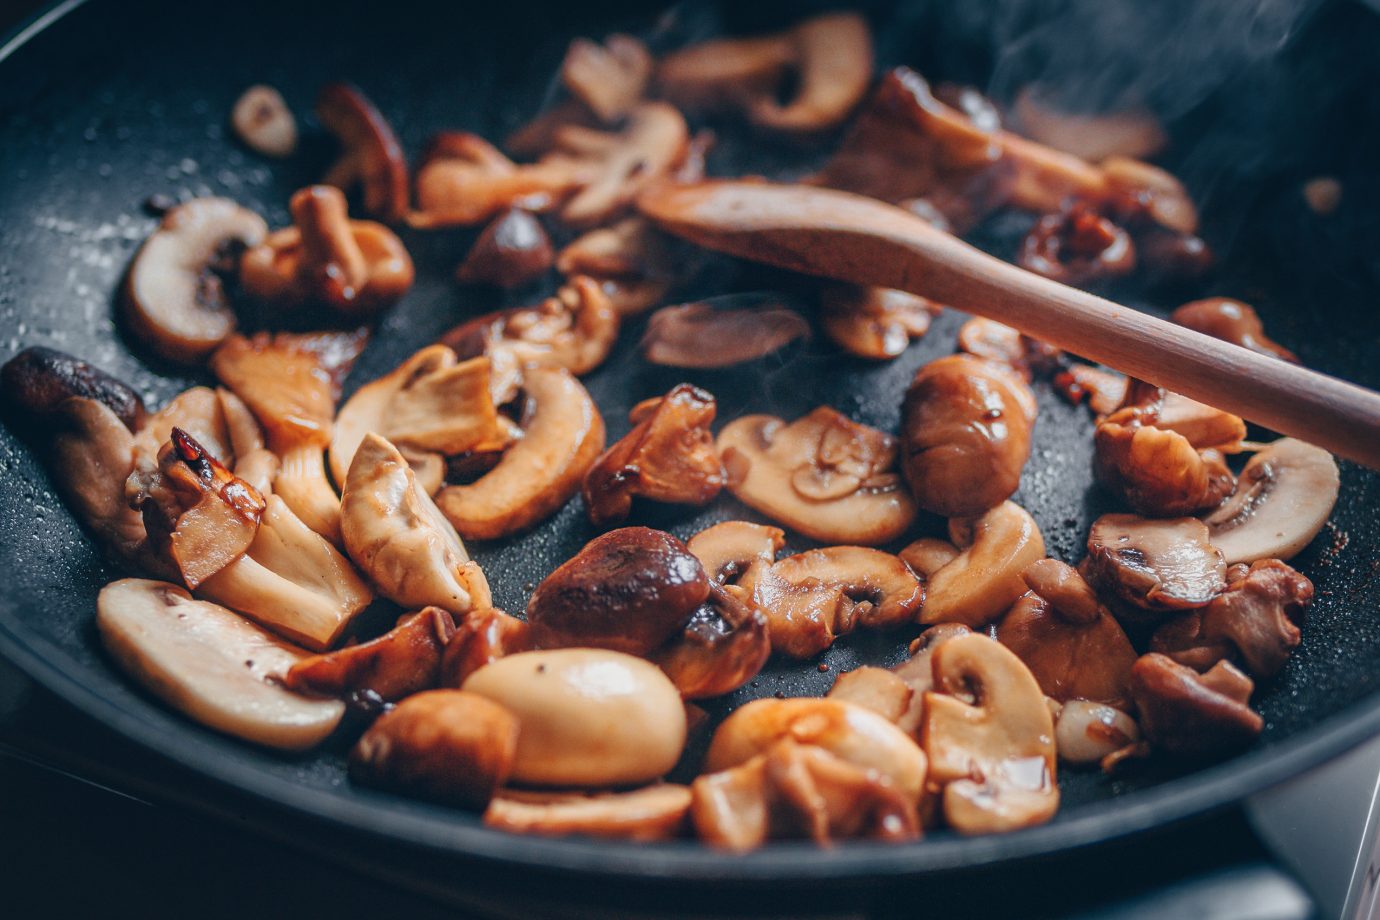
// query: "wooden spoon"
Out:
[860,240]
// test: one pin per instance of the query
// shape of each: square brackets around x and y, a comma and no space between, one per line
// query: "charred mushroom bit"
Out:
[1077,246]
[676,335]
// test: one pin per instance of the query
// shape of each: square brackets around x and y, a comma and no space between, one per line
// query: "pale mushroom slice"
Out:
[990,739]
[978,584]
[1282,500]
[264,123]
[174,294]
[823,475]
[642,815]
[884,692]
[211,664]
[217,419]
[632,260]
[609,78]
[399,538]
[729,550]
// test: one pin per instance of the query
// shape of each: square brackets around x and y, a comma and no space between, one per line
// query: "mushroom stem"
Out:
[302,484]
[328,243]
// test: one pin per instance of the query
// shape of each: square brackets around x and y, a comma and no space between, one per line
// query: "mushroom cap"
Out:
[91,460]
[173,297]
[1070,660]
[374,156]
[264,123]
[984,579]
[1156,565]
[36,381]
[513,250]
[1156,470]
[1231,321]
[723,646]
[1282,500]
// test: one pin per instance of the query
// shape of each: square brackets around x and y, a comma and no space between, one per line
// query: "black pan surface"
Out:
[110,103]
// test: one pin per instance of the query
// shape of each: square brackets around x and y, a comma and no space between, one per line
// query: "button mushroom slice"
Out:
[833,62]
[1158,566]
[984,579]
[1282,500]
[609,78]
[966,428]
[1255,620]
[357,267]
[562,435]
[1151,191]
[399,538]
[989,738]
[918,672]
[632,261]
[823,475]
[174,294]
[483,637]
[729,550]
[723,646]
[882,691]
[873,322]
[514,250]
[725,73]
[466,180]
[1085,732]
[445,745]
[1193,715]
[370,157]
[1072,645]
[38,380]
[1104,390]
[928,555]
[403,661]
[814,596]
[644,815]
[211,664]
[264,123]
[669,457]
[676,335]
[1131,132]
[1231,321]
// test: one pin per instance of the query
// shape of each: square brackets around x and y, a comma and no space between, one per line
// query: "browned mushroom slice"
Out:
[812,597]
[631,260]
[873,322]
[989,738]
[609,78]
[1231,321]
[677,336]
[985,338]
[730,549]
[643,815]
[823,475]
[1149,194]
[466,180]
[38,380]
[984,578]
[1282,501]
[483,637]
[723,645]
[371,156]
[1158,566]
[1072,644]
[882,691]
[917,672]
[724,73]
[1077,246]
[403,661]
[1190,714]
[966,427]
[1132,132]
[174,295]
[1103,389]
[669,456]
[512,251]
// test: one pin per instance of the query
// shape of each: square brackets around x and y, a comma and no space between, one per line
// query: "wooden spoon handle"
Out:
[850,238]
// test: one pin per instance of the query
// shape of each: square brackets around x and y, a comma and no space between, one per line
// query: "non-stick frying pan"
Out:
[103,104]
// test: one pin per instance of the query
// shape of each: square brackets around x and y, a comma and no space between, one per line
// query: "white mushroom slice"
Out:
[399,538]
[211,664]
[263,121]
[984,579]
[1282,500]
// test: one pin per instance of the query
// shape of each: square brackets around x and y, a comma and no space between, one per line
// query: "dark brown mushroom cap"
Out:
[372,155]
[513,250]
[403,661]
[723,646]
[629,590]
[1155,565]
[1077,246]
[483,637]
[1190,714]
[1231,321]
[1070,659]
[37,380]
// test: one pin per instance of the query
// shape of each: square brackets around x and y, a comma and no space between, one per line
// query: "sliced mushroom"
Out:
[1283,498]
[609,78]
[370,157]
[989,738]
[1150,191]
[676,335]
[38,380]
[1103,389]
[174,293]
[211,664]
[984,579]
[669,457]
[1159,566]
[1132,132]
[728,551]
[1085,732]
[403,661]
[723,646]
[512,251]
[483,637]
[872,322]
[1231,321]
[466,180]
[217,419]
[823,475]
[1190,714]
[1077,246]
[631,260]
[817,595]
[882,691]
[985,338]
[643,815]
[264,123]
[399,538]
[918,672]
[966,427]
[1322,194]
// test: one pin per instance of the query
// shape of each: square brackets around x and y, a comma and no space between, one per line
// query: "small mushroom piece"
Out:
[357,267]
[723,646]
[399,538]
[466,180]
[446,745]
[630,590]
[632,261]
[730,550]
[725,73]
[644,815]
[1156,469]
[1231,321]
[1131,132]
[609,78]
[264,123]
[814,596]
[563,433]
[984,579]
[511,252]
[174,294]
[1085,732]
[38,380]
[1161,197]
[918,672]
[1193,715]
[1077,246]
[1000,343]
[877,689]
[403,661]
[1282,500]
[681,335]
[669,457]
[1255,621]
[1159,566]
[872,322]
[989,738]
[590,718]
[965,428]
[483,637]
[1104,390]
[216,419]
[1322,194]
[824,475]
[213,665]
[371,156]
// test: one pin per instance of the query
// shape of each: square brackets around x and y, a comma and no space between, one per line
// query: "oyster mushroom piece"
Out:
[643,815]
[676,335]
[609,78]
[1159,566]
[174,294]
[371,156]
[483,637]
[563,433]
[722,646]
[264,123]
[211,664]
[812,597]
[729,550]
[669,457]
[1190,714]
[989,738]
[216,419]
[1231,321]
[873,322]
[1282,500]
[512,251]
[823,475]
[984,579]
[399,538]
[403,661]
[466,180]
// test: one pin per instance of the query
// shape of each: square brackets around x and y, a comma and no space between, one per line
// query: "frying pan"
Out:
[103,104]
